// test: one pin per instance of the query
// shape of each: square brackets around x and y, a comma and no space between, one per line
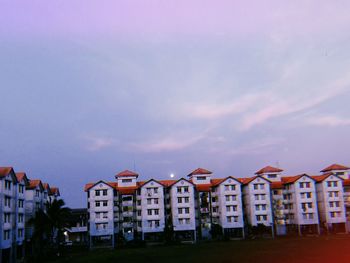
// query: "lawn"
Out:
[283,250]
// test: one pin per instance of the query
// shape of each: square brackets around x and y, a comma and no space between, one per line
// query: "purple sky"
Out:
[92,88]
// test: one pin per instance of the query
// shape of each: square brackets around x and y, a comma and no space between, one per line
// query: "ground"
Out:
[283,250]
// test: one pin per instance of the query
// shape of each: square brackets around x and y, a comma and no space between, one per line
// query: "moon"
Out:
[172,175]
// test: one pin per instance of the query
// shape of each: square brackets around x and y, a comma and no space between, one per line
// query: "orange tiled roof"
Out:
[127,190]
[4,171]
[203,187]
[269,169]
[126,173]
[21,176]
[276,185]
[346,182]
[335,167]
[247,180]
[55,190]
[167,183]
[34,183]
[217,181]
[320,178]
[199,171]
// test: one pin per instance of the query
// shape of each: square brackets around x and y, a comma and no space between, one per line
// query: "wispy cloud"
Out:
[96,143]
[258,146]
[166,144]
[283,105]
[328,120]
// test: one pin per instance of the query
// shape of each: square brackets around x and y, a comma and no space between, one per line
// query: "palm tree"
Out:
[40,223]
[58,216]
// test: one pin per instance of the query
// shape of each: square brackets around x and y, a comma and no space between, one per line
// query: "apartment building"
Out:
[257,201]
[18,202]
[200,207]
[182,200]
[227,207]
[151,213]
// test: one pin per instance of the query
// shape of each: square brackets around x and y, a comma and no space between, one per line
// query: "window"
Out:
[226,187]
[7,218]
[7,201]
[308,195]
[256,186]
[20,203]
[187,199]
[149,201]
[105,203]
[272,175]
[126,180]
[179,210]
[156,211]
[20,218]
[187,220]
[178,190]
[97,192]
[233,187]
[262,186]
[138,202]
[37,192]
[155,190]
[156,223]
[21,189]
[201,178]
[186,189]
[187,210]
[149,212]
[228,208]
[104,192]
[105,214]
[7,185]
[7,234]
[227,197]
[179,200]
[97,215]
[228,218]
[97,203]
[20,233]
[139,212]
[155,200]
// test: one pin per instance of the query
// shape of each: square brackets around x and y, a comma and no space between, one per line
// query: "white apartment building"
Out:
[182,200]
[20,198]
[8,212]
[257,201]
[300,204]
[152,212]
[197,207]
[227,207]
[21,217]
[330,199]
[34,202]
[101,213]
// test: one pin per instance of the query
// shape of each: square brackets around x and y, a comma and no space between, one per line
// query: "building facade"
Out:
[203,207]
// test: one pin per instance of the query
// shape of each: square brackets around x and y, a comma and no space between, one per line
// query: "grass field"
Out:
[333,249]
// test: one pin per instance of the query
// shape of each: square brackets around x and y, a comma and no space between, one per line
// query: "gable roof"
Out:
[335,167]
[22,176]
[4,171]
[320,178]
[181,180]
[269,169]
[199,171]
[248,180]
[126,173]
[55,191]
[88,186]
[35,183]
[218,181]
[293,179]
[276,185]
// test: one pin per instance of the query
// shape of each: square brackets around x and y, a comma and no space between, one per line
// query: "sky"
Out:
[90,88]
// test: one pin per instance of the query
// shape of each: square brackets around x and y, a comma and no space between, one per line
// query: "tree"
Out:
[57,215]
